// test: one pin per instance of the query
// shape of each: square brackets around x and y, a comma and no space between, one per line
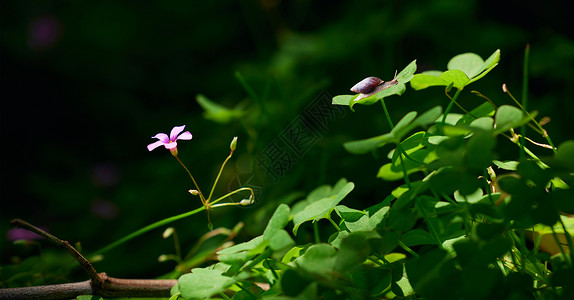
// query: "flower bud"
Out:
[233,144]
[194,192]
[246,202]
[168,232]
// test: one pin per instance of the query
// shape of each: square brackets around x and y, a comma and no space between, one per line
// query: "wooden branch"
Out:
[112,287]
[99,284]
[86,265]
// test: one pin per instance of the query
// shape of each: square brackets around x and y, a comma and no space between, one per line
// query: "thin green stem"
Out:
[524,97]
[537,127]
[387,114]
[217,178]
[232,193]
[405,175]
[192,179]
[459,106]
[409,250]
[562,251]
[568,239]
[334,224]
[177,246]
[449,107]
[316,232]
[146,229]
[429,224]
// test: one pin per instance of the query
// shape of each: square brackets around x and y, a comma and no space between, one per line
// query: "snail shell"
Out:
[366,85]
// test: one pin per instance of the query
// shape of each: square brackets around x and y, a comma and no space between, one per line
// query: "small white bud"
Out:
[168,232]
[233,144]
[246,202]
[194,192]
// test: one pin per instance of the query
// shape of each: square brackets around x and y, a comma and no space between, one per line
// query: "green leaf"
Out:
[488,65]
[510,117]
[403,127]
[203,283]
[565,154]
[418,237]
[353,251]
[484,110]
[471,64]
[320,203]
[484,123]
[463,69]
[343,99]
[279,219]
[474,197]
[318,259]
[243,252]
[427,79]
[217,112]
[506,165]
[455,77]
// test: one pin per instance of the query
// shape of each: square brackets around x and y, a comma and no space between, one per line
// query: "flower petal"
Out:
[185,136]
[170,145]
[175,131]
[162,137]
[155,145]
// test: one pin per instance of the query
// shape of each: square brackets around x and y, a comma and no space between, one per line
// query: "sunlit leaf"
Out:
[203,283]
[315,208]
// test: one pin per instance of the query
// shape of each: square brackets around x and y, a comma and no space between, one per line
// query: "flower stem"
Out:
[146,229]
[194,182]
[449,107]
[217,178]
[387,114]
[234,192]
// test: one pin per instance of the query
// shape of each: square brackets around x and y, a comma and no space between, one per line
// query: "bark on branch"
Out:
[99,284]
[112,287]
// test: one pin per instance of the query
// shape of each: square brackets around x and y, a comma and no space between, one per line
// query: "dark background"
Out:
[84,85]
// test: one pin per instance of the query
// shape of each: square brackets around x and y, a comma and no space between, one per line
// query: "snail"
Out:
[372,85]
[366,85]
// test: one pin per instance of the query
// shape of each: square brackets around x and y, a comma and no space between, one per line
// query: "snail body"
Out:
[366,85]
[372,85]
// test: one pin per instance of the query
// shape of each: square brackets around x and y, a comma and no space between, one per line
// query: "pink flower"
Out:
[171,141]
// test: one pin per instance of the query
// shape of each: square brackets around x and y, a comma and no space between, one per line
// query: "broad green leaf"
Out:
[403,127]
[203,283]
[292,283]
[427,79]
[318,259]
[353,251]
[243,252]
[484,110]
[469,63]
[506,165]
[343,99]
[510,117]
[349,214]
[484,123]
[488,65]
[404,122]
[217,112]
[368,145]
[470,198]
[417,237]
[313,209]
[506,116]
[565,154]
[280,240]
[279,219]
[456,77]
